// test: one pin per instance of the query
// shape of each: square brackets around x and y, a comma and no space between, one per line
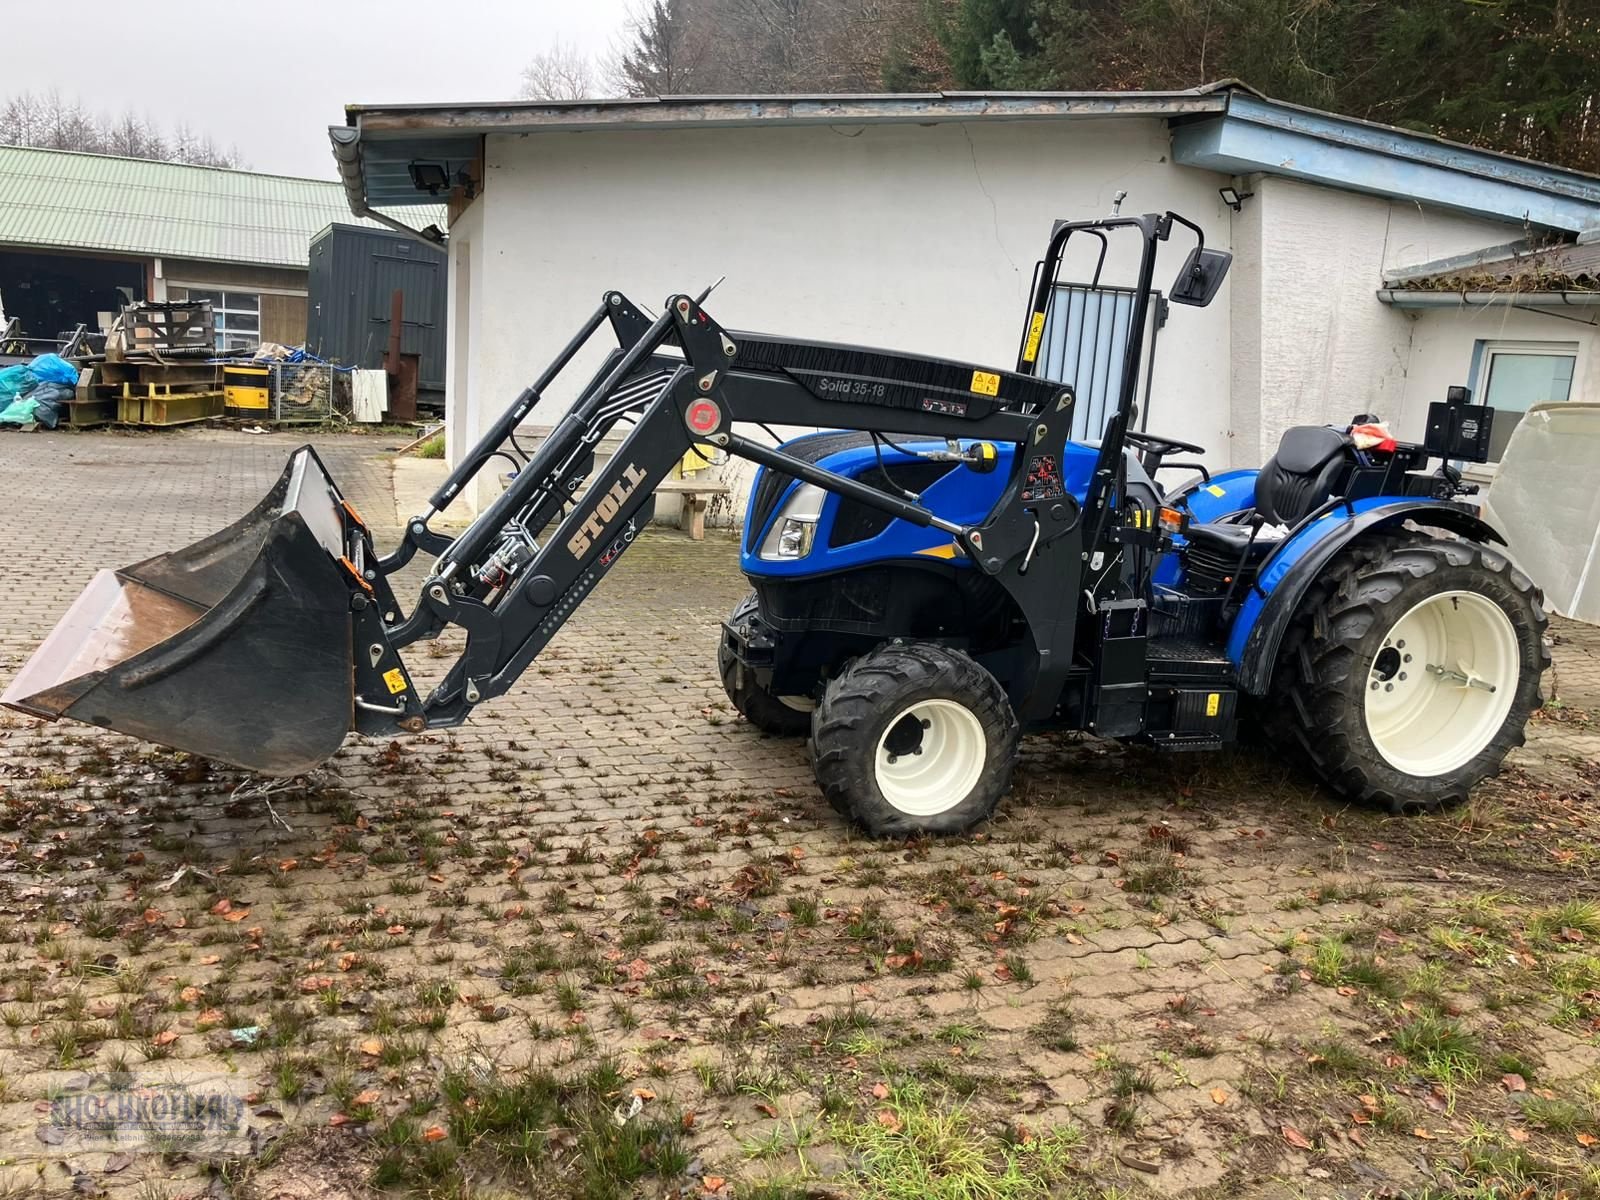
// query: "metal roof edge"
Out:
[1414,145]
[713,111]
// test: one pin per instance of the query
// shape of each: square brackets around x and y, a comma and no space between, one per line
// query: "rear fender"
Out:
[1286,576]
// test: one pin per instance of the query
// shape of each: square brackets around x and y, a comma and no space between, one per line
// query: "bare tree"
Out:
[559,73]
[53,123]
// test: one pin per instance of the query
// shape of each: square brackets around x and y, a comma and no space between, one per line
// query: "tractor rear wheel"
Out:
[914,738]
[1411,670]
[783,716]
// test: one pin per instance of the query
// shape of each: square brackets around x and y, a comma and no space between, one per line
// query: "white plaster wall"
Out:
[1442,342]
[917,238]
[1318,347]
[465,392]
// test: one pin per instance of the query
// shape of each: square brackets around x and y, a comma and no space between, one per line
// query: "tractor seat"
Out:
[1299,478]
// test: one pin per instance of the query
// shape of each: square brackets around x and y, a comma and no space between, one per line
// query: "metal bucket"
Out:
[238,647]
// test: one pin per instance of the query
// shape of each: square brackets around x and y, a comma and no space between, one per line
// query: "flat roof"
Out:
[1224,126]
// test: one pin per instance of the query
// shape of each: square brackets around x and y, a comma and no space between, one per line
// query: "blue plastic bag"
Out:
[50,402]
[52,368]
[14,381]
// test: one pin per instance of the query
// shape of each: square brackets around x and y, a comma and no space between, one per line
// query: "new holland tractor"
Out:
[948,566]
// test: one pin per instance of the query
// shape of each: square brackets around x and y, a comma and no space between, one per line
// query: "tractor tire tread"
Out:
[1312,704]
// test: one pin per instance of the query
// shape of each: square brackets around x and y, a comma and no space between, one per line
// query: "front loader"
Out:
[947,567]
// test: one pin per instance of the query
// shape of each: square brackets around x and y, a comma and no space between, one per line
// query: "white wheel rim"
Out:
[1439,688]
[929,757]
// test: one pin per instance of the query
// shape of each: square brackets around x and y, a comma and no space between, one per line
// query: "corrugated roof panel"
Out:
[54,198]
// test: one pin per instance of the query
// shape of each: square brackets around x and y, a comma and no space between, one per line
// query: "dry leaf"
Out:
[396,930]
[688,1119]
[1420,1132]
[1587,1139]
[236,915]
[767,1110]
[1219,1096]
[1519,1135]
[434,1133]
[370,1096]
[338,1119]
[190,994]
[211,960]
[713,1183]
[373,1046]
[880,1091]
[1294,1137]
[220,908]
[889,1121]
[211,1016]
[165,1038]
[644,1093]
[1514,1083]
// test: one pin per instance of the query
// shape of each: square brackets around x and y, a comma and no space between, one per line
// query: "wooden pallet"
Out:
[182,409]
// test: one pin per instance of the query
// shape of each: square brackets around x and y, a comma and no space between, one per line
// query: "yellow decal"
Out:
[1035,332]
[949,551]
[1213,704]
[396,679]
[1216,491]
[986,383]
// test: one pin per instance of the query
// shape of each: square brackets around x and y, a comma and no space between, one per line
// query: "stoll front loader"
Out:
[948,568]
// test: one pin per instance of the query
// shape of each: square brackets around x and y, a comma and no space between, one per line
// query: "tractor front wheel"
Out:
[1412,669]
[914,738]
[785,716]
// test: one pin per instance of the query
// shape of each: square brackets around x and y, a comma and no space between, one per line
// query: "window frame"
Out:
[1484,352]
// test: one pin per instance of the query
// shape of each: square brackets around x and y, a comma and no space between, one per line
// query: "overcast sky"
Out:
[272,77]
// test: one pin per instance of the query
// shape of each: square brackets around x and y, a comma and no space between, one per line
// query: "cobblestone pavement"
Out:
[1183,975]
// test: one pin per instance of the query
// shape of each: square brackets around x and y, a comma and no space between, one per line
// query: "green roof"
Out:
[66,200]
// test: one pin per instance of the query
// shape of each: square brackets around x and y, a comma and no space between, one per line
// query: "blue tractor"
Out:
[948,567]
[1344,600]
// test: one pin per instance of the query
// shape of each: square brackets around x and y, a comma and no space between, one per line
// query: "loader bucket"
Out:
[237,647]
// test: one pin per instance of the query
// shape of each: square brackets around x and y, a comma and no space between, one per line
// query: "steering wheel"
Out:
[1160,446]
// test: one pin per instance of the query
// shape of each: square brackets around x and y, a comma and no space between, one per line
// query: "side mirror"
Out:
[1202,274]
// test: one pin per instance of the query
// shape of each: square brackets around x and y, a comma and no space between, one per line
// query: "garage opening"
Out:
[51,294]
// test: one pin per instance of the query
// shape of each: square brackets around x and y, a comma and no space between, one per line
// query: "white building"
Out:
[915,222]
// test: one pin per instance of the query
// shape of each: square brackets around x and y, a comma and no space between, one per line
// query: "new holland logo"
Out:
[604,512]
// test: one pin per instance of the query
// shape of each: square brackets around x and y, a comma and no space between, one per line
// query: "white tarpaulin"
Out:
[369,395]
[1546,500]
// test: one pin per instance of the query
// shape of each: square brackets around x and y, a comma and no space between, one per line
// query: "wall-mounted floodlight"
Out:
[1234,198]
[428,177]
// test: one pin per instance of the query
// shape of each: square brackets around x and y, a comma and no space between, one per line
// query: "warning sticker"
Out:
[986,383]
[1213,703]
[396,679]
[1035,332]
[1216,491]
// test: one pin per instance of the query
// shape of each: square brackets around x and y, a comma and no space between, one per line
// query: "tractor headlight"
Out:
[795,529]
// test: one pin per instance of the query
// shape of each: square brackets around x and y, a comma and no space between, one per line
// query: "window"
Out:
[237,316]
[1518,375]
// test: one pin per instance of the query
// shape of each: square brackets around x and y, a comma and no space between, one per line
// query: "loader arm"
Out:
[263,645]
[684,380]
